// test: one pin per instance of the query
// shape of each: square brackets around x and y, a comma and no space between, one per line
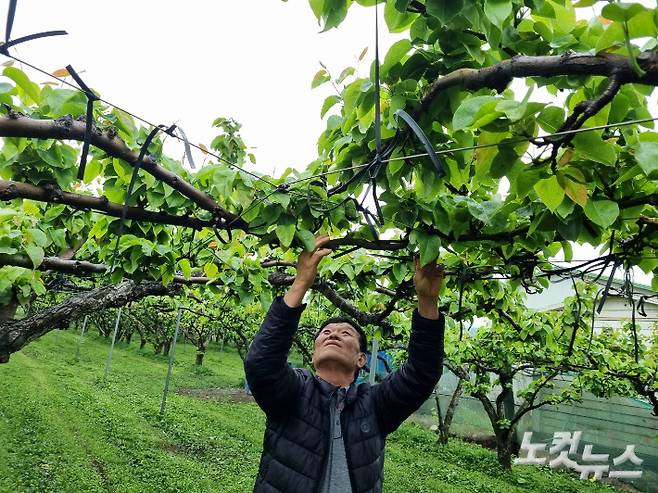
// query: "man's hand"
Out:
[307,270]
[428,281]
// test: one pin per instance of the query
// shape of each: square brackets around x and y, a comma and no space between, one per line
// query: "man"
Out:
[323,433]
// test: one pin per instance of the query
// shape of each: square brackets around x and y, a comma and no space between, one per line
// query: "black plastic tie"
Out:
[438,166]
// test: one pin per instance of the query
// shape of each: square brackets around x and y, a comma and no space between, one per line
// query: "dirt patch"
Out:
[102,472]
[230,394]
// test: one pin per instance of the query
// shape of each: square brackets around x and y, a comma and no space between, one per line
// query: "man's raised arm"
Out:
[404,391]
[273,383]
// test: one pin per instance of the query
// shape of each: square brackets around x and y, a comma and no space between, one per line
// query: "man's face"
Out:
[338,344]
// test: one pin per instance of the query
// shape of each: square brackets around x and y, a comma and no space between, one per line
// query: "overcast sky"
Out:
[190,62]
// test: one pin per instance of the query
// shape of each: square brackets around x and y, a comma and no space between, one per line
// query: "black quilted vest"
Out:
[296,442]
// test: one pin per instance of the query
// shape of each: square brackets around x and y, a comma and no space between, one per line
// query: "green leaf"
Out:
[400,270]
[185,267]
[621,12]
[550,192]
[345,74]
[210,269]
[328,104]
[551,118]
[444,10]
[430,246]
[396,17]
[285,231]
[602,212]
[92,170]
[22,81]
[307,238]
[590,146]
[320,78]
[468,110]
[497,11]
[394,55]
[646,155]
[35,253]
[38,237]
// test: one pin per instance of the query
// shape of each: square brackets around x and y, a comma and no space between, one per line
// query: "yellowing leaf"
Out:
[61,72]
[363,53]
[203,148]
[567,155]
[575,191]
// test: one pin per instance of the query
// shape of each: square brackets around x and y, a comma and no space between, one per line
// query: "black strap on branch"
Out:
[640,303]
[11,13]
[89,120]
[136,166]
[615,264]
[629,289]
[606,290]
[438,166]
[591,333]
[367,214]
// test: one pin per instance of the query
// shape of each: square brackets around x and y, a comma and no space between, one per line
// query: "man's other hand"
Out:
[307,270]
[428,281]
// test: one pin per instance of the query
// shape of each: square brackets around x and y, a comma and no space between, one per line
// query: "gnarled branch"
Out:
[500,75]
[68,129]
[16,334]
[82,268]
[10,190]
[281,279]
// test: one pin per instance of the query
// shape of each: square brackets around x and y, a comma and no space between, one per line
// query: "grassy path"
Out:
[64,429]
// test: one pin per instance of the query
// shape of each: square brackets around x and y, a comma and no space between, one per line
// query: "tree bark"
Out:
[16,334]
[444,422]
[199,358]
[17,125]
[10,190]
[500,75]
[504,447]
[81,267]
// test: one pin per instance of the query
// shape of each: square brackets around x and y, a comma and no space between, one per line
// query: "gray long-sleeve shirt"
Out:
[336,477]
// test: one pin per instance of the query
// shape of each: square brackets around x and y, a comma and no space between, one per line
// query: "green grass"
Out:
[64,429]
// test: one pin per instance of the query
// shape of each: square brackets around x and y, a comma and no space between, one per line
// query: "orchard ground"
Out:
[64,429]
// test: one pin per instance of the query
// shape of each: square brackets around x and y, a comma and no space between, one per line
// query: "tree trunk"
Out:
[165,348]
[199,358]
[142,343]
[504,447]
[16,334]
[446,421]
[128,337]
[157,348]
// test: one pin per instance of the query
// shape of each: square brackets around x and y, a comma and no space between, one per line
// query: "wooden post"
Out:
[114,338]
[172,354]
[373,360]
[82,334]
